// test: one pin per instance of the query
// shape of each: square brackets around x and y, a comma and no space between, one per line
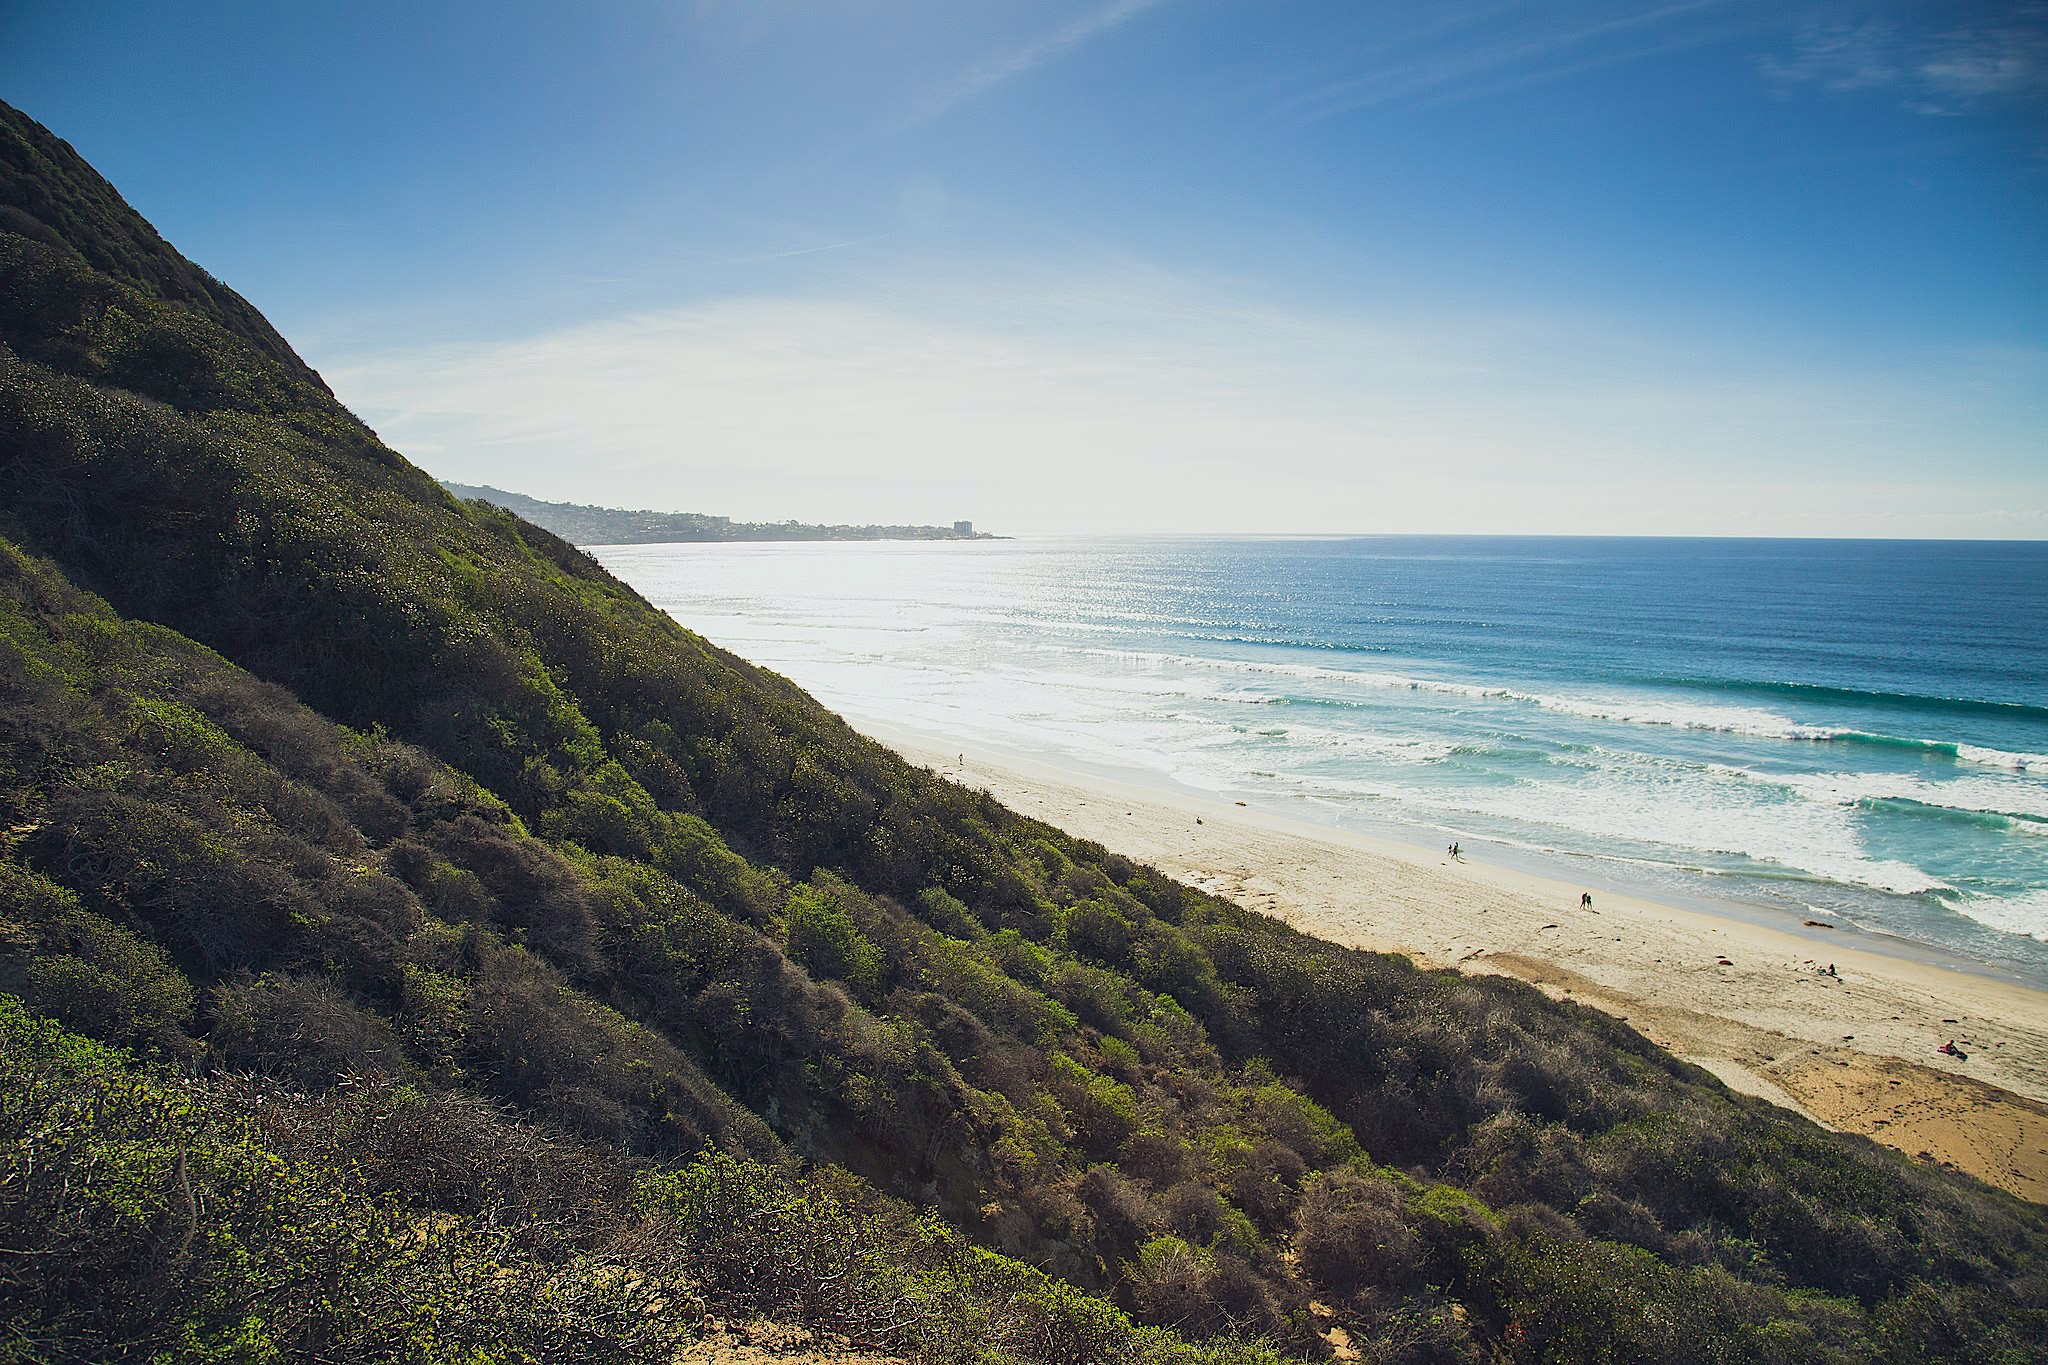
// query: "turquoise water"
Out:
[1854,730]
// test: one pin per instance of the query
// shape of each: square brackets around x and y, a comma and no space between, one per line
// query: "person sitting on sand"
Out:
[1952,1050]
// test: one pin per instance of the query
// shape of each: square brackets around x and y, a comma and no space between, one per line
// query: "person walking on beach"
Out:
[1585,900]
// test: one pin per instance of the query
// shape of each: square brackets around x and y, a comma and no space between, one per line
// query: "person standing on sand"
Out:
[1585,900]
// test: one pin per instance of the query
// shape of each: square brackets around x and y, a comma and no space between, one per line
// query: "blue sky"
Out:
[1714,266]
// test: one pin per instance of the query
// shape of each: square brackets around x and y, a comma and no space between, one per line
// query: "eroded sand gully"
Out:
[1855,1049]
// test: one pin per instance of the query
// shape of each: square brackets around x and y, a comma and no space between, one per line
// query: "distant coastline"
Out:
[583,525]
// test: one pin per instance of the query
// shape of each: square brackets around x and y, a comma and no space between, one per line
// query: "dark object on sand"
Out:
[1952,1050]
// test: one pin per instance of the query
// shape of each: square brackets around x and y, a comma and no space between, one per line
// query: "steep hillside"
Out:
[401,815]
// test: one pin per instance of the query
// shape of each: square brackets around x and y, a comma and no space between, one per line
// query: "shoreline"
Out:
[1753,1004]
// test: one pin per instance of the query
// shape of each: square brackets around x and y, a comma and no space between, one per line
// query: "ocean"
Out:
[1854,731]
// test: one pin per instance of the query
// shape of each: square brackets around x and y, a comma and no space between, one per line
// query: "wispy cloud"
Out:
[1019,60]
[1947,70]
[803,250]
[1841,57]
[1491,55]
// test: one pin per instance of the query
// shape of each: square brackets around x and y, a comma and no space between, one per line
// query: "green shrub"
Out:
[93,974]
[824,939]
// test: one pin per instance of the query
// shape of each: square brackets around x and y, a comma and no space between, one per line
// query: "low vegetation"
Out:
[467,947]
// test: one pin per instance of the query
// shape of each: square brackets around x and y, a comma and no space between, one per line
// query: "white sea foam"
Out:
[1391,748]
[1672,822]
[1987,796]
[1671,713]
[1801,822]
[2026,913]
[1999,758]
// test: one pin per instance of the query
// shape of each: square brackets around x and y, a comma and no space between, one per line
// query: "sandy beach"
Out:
[1856,1048]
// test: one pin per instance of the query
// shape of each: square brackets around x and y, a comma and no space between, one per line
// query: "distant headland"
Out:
[581,525]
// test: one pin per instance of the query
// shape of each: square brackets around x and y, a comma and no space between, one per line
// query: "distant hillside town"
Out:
[581,525]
